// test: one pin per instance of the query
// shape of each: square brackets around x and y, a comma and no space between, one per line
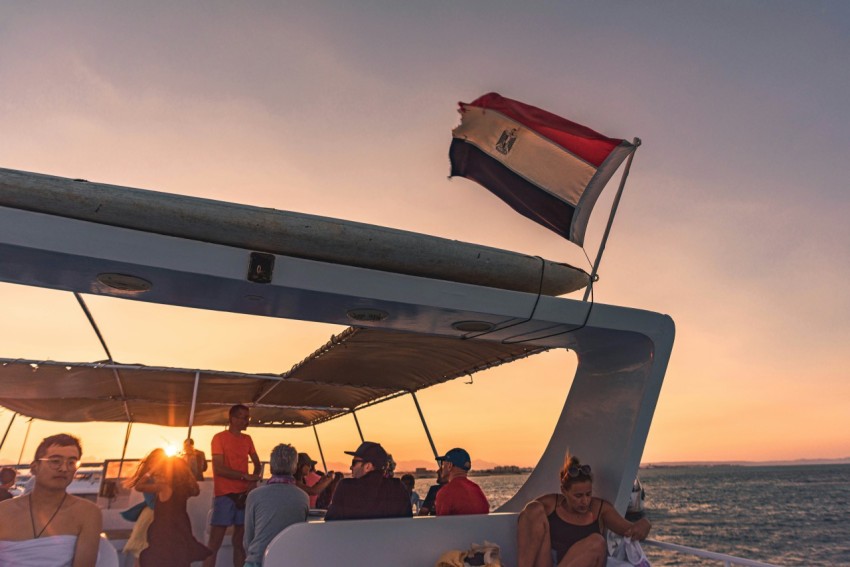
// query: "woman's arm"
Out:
[619,525]
[317,488]
[146,483]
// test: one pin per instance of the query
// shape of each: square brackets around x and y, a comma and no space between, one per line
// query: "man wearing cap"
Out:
[369,494]
[460,495]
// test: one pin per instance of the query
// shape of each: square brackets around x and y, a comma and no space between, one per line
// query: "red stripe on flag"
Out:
[585,143]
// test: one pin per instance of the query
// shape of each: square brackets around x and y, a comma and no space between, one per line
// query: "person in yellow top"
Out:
[231,450]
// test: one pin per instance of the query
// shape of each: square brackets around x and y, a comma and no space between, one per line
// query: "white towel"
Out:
[51,551]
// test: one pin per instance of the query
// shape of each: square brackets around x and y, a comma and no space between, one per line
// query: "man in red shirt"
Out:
[460,495]
[231,450]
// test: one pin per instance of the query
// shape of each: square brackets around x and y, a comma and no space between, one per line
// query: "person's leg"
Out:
[223,515]
[214,543]
[533,546]
[588,552]
[238,540]
[238,546]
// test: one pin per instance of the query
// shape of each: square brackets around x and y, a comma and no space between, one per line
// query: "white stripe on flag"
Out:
[530,155]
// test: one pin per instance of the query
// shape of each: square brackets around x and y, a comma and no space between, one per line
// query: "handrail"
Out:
[728,560]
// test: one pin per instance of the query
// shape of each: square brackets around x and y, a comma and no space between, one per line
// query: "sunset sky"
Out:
[734,221]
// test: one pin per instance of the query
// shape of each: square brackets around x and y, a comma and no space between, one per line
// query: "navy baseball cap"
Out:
[371,453]
[458,457]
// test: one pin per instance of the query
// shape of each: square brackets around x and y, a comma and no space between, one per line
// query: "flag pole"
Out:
[595,270]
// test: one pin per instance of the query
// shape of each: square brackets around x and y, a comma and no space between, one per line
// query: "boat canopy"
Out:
[355,369]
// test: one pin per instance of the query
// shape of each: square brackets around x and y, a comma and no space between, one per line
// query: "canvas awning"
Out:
[357,368]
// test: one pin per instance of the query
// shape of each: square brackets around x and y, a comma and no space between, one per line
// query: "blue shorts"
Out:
[225,513]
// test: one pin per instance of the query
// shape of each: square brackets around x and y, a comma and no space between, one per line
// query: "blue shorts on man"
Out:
[226,513]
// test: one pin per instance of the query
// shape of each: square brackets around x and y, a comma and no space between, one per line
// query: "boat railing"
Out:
[728,560]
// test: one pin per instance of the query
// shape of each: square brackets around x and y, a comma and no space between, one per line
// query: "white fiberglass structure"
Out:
[622,353]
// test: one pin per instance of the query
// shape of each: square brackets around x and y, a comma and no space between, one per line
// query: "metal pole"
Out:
[11,421]
[595,271]
[321,453]
[94,326]
[425,425]
[124,450]
[194,399]
[357,422]
[24,444]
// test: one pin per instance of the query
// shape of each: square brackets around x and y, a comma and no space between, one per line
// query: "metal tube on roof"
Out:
[9,427]
[425,425]
[24,444]
[124,449]
[194,399]
[357,422]
[321,453]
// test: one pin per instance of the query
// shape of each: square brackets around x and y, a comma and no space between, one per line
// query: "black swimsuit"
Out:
[564,535]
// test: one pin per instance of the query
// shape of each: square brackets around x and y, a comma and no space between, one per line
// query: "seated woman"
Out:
[571,524]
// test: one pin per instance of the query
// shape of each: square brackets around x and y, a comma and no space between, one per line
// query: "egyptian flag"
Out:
[547,168]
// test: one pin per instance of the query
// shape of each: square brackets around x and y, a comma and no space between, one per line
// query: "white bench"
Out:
[411,542]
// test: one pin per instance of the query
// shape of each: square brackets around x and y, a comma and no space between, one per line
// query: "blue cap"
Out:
[458,457]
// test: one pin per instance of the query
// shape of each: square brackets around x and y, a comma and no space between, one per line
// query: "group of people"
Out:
[564,529]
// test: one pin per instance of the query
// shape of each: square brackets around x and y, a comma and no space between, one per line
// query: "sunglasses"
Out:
[583,470]
[56,463]
[356,461]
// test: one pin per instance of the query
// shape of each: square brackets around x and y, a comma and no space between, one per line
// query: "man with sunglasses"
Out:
[369,493]
[51,527]
[460,496]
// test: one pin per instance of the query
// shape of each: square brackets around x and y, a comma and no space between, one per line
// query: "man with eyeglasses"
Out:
[231,450]
[51,527]
[369,493]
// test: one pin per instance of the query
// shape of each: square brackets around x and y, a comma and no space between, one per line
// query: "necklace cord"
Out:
[32,516]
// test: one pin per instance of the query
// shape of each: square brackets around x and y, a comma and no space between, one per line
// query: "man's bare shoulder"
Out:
[12,505]
[85,509]
[12,508]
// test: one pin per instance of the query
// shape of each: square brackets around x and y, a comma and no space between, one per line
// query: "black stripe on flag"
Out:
[523,196]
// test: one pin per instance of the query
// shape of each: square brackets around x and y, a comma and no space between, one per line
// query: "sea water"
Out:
[784,515]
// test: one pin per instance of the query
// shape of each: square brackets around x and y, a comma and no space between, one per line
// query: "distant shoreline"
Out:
[799,462]
[511,470]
